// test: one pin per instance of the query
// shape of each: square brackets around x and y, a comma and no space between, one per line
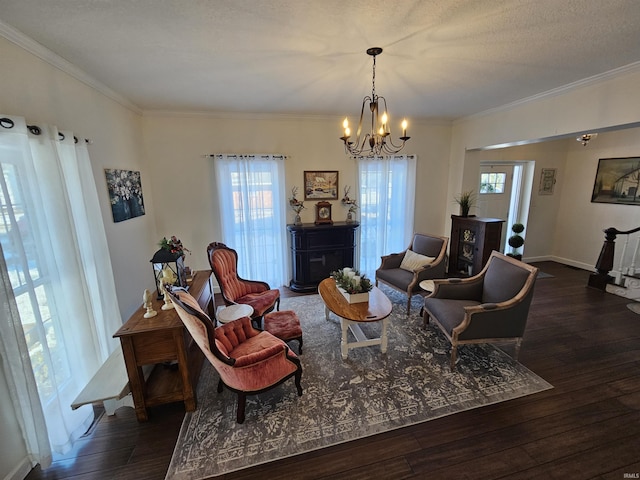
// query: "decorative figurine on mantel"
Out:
[168,278]
[297,205]
[353,206]
[146,298]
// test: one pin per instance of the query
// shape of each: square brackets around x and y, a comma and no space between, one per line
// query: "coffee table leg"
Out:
[326,312]
[383,337]
[343,343]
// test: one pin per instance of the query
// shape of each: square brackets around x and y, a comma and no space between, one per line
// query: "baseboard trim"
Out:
[564,261]
[20,471]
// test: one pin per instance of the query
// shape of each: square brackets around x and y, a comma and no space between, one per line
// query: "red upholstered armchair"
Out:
[224,264]
[249,361]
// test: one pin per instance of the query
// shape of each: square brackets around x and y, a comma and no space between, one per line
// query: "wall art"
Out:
[125,194]
[617,181]
[321,185]
[547,181]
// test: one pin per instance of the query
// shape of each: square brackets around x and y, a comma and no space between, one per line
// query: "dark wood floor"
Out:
[586,343]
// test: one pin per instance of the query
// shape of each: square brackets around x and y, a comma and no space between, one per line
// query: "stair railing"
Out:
[604,265]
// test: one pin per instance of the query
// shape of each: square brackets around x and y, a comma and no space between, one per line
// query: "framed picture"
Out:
[321,185]
[547,181]
[617,181]
[125,194]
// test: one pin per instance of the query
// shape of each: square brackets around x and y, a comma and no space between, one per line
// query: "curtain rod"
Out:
[36,130]
[250,155]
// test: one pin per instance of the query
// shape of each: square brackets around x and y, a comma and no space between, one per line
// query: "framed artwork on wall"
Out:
[321,185]
[125,194]
[547,181]
[617,181]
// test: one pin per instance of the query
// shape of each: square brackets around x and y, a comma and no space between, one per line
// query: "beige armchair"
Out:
[492,306]
[405,270]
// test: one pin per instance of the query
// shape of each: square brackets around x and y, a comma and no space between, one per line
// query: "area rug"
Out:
[366,394]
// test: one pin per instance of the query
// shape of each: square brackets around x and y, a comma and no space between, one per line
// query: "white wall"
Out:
[568,217]
[183,184]
[577,216]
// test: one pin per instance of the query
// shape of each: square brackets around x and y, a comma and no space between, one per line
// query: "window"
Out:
[252,214]
[387,196]
[30,284]
[492,182]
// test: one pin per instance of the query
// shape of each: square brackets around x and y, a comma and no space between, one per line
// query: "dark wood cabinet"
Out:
[318,250]
[472,241]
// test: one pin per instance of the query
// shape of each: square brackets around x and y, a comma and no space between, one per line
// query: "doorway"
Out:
[504,189]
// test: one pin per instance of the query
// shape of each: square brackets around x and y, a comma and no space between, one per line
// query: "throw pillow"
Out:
[412,261]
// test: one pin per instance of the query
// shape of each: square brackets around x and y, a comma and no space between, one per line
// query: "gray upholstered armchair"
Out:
[490,307]
[405,270]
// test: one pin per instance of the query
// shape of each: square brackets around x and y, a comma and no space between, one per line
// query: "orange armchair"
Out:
[249,361]
[224,264]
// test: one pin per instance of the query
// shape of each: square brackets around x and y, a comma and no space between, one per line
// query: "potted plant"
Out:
[466,200]
[516,241]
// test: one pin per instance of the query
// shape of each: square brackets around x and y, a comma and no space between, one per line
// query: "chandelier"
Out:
[378,140]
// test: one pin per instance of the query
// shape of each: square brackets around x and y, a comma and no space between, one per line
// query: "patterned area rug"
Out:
[367,394]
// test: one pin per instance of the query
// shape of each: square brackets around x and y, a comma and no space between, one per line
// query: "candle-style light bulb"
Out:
[384,118]
[345,124]
[404,127]
[347,132]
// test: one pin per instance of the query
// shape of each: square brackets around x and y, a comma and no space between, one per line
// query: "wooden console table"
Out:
[159,342]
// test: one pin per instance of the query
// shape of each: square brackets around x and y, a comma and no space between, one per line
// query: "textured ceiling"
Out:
[442,58]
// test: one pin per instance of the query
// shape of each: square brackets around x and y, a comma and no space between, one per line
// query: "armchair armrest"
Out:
[495,320]
[393,260]
[255,286]
[458,288]
[259,356]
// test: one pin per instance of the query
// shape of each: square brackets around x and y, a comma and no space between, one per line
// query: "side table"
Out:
[156,341]
[234,312]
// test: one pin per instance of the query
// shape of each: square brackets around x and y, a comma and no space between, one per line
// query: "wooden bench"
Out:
[109,386]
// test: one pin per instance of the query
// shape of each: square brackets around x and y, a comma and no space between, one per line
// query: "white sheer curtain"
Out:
[386,189]
[58,265]
[20,379]
[252,203]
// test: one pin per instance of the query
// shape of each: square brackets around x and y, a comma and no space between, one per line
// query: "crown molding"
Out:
[26,43]
[595,79]
[230,115]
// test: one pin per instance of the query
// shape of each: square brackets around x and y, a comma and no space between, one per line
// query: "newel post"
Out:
[604,264]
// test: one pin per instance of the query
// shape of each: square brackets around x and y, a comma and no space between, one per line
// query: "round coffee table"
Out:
[234,312]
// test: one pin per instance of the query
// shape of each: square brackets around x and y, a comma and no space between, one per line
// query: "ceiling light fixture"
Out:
[584,139]
[378,140]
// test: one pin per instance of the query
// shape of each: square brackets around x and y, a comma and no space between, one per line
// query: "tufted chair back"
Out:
[224,265]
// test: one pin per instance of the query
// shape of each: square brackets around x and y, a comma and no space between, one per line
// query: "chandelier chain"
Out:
[373,80]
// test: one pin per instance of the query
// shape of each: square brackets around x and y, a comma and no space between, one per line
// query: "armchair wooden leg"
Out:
[242,401]
[298,376]
[409,306]
[517,350]
[425,319]
[454,355]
